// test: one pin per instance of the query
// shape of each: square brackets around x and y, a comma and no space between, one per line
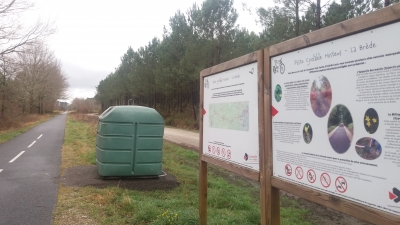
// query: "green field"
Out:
[231,199]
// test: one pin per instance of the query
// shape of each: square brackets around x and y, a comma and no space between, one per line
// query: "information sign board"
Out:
[230,116]
[337,117]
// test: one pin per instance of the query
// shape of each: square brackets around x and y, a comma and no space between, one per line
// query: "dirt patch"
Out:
[84,176]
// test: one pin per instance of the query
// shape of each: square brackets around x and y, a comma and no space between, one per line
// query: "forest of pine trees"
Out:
[164,74]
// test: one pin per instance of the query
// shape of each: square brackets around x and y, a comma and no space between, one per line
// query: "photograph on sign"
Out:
[230,116]
[336,115]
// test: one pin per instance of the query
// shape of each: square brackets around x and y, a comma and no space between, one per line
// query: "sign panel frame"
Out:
[256,58]
[252,58]
[347,28]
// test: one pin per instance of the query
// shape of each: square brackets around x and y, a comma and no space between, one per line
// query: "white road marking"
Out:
[40,136]
[1,170]
[32,144]
[16,157]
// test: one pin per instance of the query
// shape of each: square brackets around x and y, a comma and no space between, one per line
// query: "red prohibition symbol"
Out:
[288,170]
[311,176]
[325,180]
[299,173]
[223,152]
[218,151]
[341,184]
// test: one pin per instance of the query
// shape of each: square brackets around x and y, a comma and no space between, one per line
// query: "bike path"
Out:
[30,166]
[339,140]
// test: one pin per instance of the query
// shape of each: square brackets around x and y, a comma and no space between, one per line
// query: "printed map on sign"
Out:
[231,116]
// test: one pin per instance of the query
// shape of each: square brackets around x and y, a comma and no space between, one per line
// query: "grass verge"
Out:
[79,141]
[231,199]
[24,124]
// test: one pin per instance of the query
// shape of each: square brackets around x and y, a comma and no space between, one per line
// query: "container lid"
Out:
[131,114]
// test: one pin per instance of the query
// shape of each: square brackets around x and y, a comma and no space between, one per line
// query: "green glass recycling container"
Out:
[129,142]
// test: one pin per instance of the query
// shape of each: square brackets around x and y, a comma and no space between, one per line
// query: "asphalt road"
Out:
[29,173]
[182,137]
[339,140]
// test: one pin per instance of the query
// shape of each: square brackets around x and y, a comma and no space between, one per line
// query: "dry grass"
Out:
[9,123]
[12,127]
[72,209]
[79,141]
[183,120]
[78,149]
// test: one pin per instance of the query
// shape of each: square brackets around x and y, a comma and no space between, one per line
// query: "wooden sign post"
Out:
[231,125]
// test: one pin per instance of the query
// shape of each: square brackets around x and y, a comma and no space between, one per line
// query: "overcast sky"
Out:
[92,35]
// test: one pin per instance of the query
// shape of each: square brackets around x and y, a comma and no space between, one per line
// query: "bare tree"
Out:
[41,78]
[14,36]
[87,105]
[7,72]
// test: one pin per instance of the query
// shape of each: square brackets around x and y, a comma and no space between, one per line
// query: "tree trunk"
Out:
[31,104]
[297,18]
[387,3]
[318,15]
[40,106]
[193,103]
[218,53]
[155,99]
[3,94]
[23,106]
[168,100]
